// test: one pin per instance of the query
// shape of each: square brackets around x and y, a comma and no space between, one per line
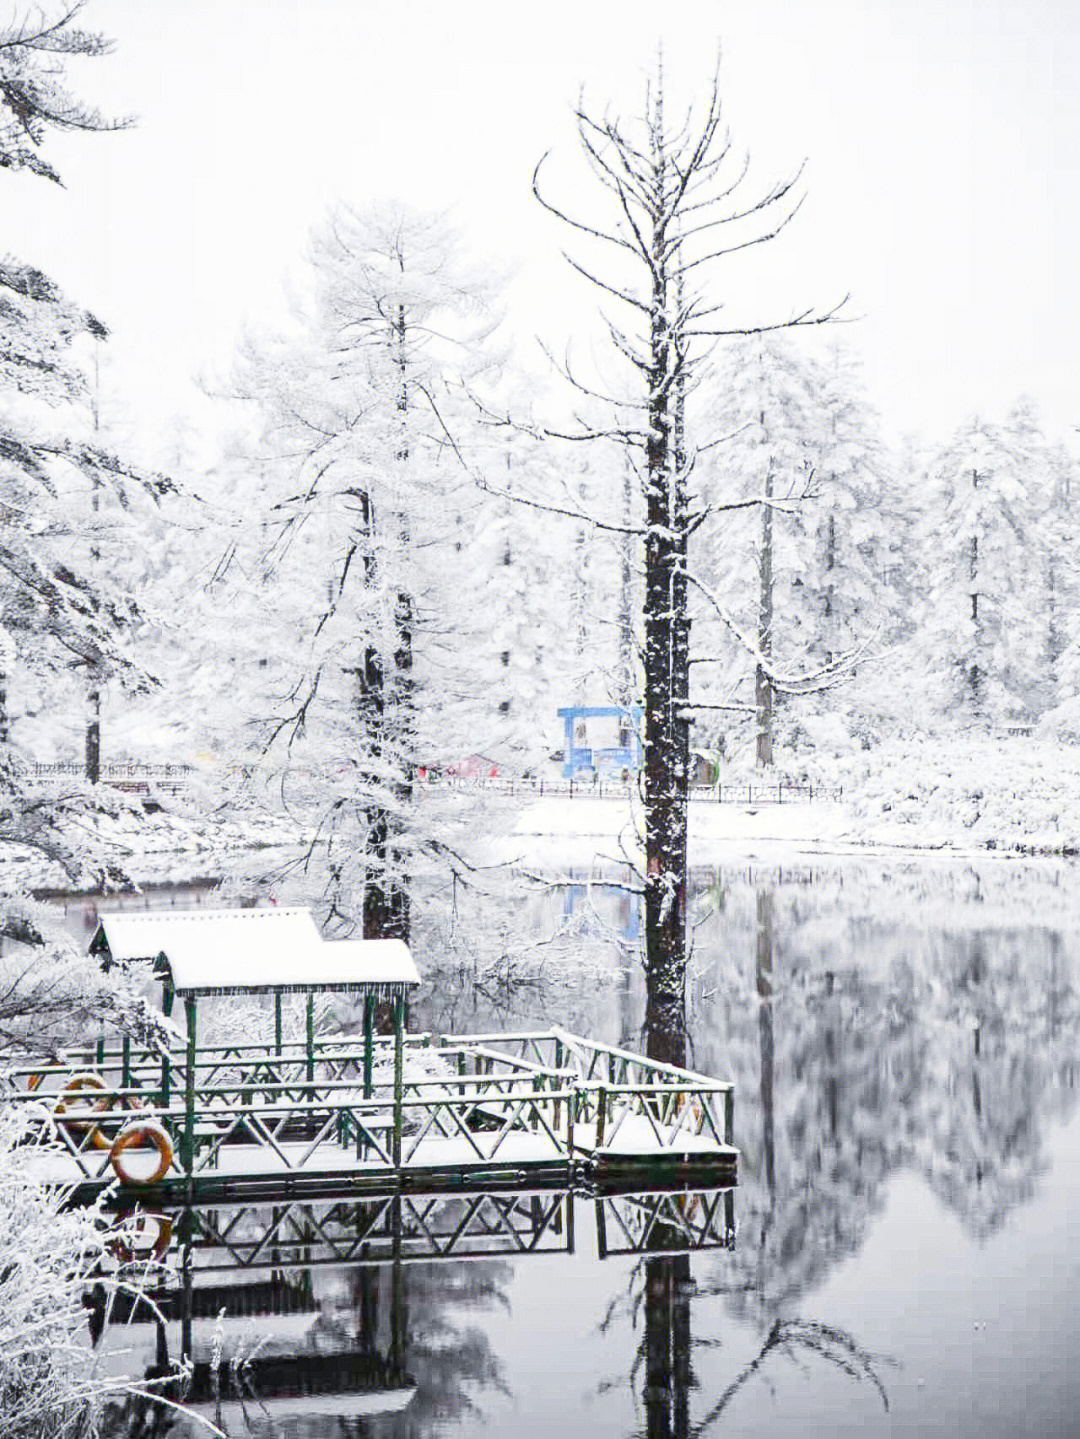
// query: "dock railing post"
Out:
[187,1154]
[399,1076]
[310,1039]
[166,1065]
[369,1042]
[277,1023]
[729,1115]
[601,1115]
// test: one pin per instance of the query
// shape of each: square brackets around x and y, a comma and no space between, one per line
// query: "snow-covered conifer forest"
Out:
[313,633]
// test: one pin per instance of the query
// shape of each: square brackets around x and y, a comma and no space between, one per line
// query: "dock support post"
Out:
[311,1039]
[399,1075]
[187,1153]
[167,999]
[369,1042]
[277,1022]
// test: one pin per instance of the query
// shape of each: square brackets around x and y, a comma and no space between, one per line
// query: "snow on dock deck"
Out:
[549,1104]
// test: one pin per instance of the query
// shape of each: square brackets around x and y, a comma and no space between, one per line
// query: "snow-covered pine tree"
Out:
[59,617]
[757,561]
[983,631]
[799,577]
[1048,475]
[520,564]
[57,620]
[369,513]
[851,504]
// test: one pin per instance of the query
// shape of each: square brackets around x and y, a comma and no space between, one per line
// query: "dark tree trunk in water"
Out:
[764,977]
[668,1375]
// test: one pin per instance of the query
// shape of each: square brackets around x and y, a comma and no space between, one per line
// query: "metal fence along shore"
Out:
[540,787]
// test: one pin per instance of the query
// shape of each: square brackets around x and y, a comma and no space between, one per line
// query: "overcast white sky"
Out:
[943,139]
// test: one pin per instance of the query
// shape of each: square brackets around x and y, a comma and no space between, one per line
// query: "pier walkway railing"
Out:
[334,1107]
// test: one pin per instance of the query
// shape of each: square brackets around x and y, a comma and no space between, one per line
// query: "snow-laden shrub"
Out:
[52,996]
[52,1386]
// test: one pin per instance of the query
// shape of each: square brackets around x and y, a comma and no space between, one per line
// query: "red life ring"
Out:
[141,1136]
[140,1240]
[82,1126]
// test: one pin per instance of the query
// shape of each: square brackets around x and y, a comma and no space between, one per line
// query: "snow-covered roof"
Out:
[250,951]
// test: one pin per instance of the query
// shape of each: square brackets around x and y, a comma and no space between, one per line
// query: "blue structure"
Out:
[603,740]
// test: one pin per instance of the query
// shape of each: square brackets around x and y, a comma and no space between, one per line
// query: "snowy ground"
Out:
[964,795]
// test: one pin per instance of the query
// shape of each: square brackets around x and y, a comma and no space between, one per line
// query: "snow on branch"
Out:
[789,682]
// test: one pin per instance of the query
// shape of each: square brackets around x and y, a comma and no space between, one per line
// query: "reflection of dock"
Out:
[303,1308]
[266,1242]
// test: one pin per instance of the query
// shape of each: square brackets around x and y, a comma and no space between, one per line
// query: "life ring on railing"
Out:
[685,1101]
[83,1126]
[139,1241]
[143,1135]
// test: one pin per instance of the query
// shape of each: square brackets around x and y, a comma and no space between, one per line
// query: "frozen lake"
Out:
[904,1041]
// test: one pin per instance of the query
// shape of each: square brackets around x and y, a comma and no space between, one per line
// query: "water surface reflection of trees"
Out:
[869,1031]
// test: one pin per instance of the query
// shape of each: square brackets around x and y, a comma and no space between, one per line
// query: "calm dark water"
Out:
[904,1039]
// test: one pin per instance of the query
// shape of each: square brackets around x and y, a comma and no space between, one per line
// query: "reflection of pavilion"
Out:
[304,1308]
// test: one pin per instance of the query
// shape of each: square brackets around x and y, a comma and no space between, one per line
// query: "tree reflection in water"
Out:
[875,1020]
[664,1358]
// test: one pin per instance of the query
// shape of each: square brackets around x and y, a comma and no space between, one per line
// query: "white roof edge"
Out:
[257,950]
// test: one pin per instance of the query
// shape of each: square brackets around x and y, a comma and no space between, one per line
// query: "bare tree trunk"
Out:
[974,674]
[667,671]
[763,688]
[93,698]
[627,678]
[830,586]
[93,734]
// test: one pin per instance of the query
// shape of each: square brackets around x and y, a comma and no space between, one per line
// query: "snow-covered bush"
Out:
[52,996]
[51,1384]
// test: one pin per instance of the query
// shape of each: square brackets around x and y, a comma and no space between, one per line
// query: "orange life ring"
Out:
[82,1126]
[688,1206]
[690,1102]
[134,1227]
[141,1136]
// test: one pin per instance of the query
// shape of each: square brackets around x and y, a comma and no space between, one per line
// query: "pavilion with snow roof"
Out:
[274,951]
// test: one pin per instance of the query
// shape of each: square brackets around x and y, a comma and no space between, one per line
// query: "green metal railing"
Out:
[330,1105]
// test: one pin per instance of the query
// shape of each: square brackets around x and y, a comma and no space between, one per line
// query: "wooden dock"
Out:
[339,1115]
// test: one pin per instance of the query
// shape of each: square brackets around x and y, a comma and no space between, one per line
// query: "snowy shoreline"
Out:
[561,832]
